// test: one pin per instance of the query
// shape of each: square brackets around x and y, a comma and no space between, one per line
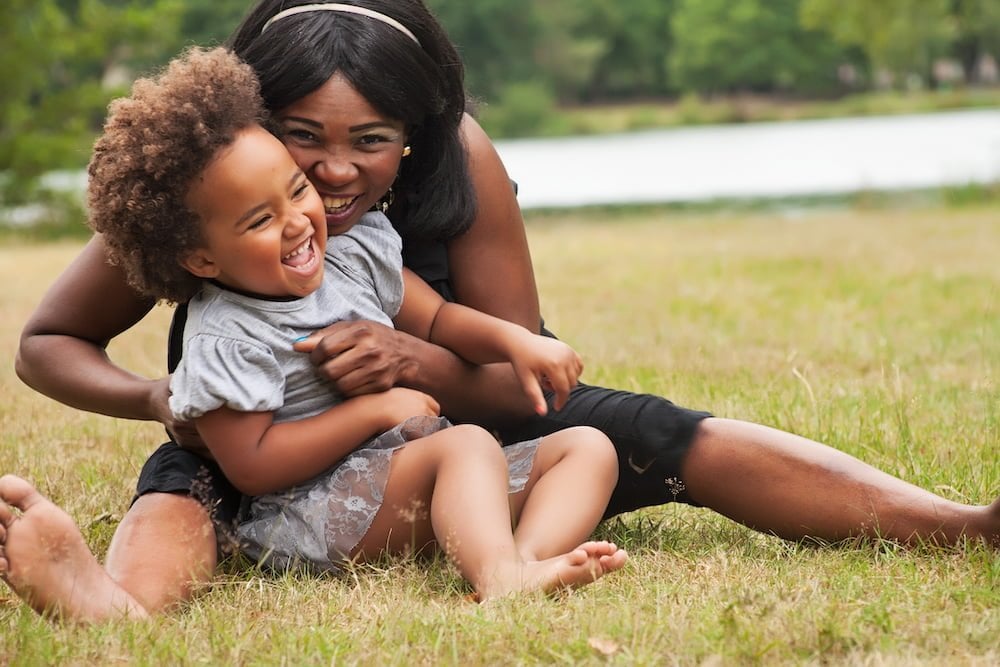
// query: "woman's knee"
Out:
[164,548]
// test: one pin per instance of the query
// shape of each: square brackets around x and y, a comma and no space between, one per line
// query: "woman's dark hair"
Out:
[420,85]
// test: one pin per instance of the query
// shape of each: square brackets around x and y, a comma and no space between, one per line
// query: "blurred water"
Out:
[758,160]
[761,160]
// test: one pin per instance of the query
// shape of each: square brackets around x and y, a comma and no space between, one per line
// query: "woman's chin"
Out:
[340,221]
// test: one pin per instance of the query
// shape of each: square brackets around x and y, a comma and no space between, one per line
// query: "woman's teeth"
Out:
[334,204]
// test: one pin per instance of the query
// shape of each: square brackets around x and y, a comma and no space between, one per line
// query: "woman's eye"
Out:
[371,139]
[300,134]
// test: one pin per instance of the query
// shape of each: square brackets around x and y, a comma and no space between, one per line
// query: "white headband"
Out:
[347,9]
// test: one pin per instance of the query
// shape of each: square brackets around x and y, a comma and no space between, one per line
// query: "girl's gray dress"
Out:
[238,353]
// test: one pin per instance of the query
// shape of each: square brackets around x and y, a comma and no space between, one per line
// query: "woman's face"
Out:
[348,150]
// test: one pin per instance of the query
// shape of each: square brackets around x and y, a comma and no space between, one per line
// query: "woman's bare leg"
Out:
[796,488]
[158,555]
[574,473]
[163,550]
[450,488]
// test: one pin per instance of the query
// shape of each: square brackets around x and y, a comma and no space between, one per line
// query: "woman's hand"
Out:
[184,433]
[360,357]
[546,363]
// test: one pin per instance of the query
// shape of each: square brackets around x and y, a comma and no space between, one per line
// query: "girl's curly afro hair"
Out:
[156,142]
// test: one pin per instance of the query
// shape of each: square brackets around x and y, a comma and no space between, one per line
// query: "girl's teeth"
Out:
[298,251]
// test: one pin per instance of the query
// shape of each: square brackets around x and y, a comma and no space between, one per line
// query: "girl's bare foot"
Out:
[46,562]
[584,565]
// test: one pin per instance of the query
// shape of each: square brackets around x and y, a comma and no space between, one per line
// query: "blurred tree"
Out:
[211,23]
[635,41]
[978,24]
[567,55]
[732,45]
[901,37]
[496,39]
[62,62]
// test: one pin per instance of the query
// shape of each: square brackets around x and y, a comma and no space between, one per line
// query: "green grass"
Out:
[876,331]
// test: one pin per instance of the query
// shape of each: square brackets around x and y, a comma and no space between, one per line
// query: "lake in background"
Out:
[760,160]
[753,161]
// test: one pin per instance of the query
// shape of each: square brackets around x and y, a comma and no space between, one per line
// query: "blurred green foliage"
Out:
[62,61]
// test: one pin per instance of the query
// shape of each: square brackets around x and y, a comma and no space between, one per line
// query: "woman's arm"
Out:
[491,272]
[260,457]
[365,357]
[490,265]
[62,348]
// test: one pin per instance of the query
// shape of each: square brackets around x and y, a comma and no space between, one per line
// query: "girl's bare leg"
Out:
[450,488]
[796,488]
[163,548]
[574,473]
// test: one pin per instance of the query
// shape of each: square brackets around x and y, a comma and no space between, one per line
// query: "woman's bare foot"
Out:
[584,565]
[46,562]
[992,532]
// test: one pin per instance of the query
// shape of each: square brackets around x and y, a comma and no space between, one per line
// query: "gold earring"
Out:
[385,202]
[406,150]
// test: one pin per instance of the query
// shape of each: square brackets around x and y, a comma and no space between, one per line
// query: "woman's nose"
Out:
[336,169]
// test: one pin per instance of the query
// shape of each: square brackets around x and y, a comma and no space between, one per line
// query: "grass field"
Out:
[877,332]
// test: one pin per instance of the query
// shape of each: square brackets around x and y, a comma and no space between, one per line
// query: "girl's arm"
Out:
[62,348]
[260,457]
[480,338]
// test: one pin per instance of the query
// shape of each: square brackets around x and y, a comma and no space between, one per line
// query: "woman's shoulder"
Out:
[476,139]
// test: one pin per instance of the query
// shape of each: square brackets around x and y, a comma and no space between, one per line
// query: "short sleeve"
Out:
[217,371]
[374,248]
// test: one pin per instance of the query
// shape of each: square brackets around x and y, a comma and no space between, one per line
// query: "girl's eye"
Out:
[301,190]
[259,222]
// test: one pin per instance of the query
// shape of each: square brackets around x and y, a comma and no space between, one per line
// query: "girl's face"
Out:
[348,150]
[263,225]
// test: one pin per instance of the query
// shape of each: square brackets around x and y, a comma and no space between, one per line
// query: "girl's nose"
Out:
[298,221]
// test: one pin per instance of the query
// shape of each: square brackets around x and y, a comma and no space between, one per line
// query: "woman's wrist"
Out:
[157,401]
[416,358]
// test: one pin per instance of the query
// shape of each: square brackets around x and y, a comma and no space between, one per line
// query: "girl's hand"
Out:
[546,363]
[359,357]
[400,403]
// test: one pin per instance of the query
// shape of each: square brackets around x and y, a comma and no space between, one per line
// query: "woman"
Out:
[456,209]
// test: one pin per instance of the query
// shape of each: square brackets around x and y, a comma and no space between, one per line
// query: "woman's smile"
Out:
[342,212]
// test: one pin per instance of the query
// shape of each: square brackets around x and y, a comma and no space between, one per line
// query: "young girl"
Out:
[197,201]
